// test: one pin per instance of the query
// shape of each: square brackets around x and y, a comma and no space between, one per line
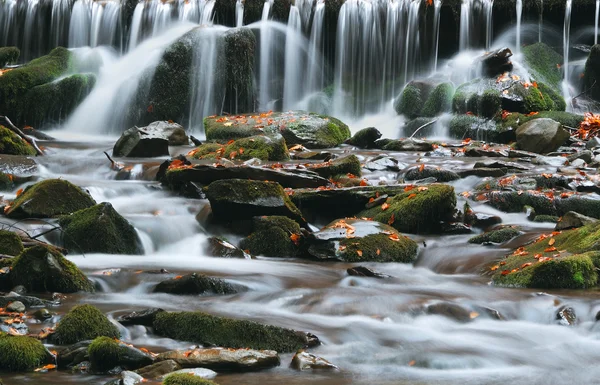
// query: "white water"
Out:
[436,23]
[566,48]
[239,13]
[316,62]
[519,17]
[596,21]
[136,25]
[266,60]
[294,63]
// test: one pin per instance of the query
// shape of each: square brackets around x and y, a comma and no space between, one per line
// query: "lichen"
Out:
[83,322]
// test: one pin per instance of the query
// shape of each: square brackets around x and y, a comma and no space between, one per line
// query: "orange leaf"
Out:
[295,238]
[550,249]
[241,150]
[394,237]
[19,191]
[505,272]
[178,277]
[421,168]
[385,206]
[411,196]
[359,252]
[551,242]
[526,264]
[342,248]
[363,183]
[150,108]
[411,363]
[378,252]
[392,219]
[494,268]
[408,188]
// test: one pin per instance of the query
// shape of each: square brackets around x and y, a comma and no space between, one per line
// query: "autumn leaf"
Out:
[422,188]
[550,249]
[494,268]
[413,362]
[551,241]
[409,188]
[150,108]
[421,168]
[19,191]
[411,196]
[378,252]
[392,219]
[342,248]
[526,264]
[394,237]
[363,182]
[359,252]
[178,277]
[385,206]
[505,114]
[295,238]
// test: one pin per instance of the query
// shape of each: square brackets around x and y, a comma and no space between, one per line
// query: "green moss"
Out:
[205,329]
[546,218]
[489,103]
[43,269]
[207,151]
[238,61]
[186,379]
[468,126]
[83,322]
[9,55]
[515,201]
[6,181]
[340,166]
[12,144]
[49,198]
[271,237]
[365,138]
[20,353]
[10,243]
[195,284]
[112,234]
[105,353]
[514,120]
[379,248]
[410,102]
[260,147]
[579,204]
[418,214]
[439,101]
[554,99]
[543,63]
[496,236]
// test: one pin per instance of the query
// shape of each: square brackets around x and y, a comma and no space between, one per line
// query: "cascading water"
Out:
[567,46]
[294,65]
[136,24]
[541,22]
[436,24]
[596,21]
[239,13]
[266,60]
[519,17]
[476,24]
[316,64]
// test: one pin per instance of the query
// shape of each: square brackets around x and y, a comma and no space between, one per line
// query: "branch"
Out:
[26,138]
[423,126]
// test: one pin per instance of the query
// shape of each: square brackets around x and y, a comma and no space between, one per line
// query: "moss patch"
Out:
[20,353]
[439,101]
[410,102]
[12,144]
[9,55]
[186,379]
[341,166]
[105,353]
[543,62]
[496,236]
[271,237]
[261,147]
[83,322]
[10,243]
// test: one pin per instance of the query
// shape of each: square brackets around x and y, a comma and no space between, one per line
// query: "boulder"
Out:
[573,220]
[99,229]
[12,144]
[591,75]
[502,235]
[127,378]
[362,271]
[450,310]
[544,64]
[220,359]
[10,243]
[236,199]
[205,329]
[365,138]
[49,198]
[470,126]
[541,136]
[73,355]
[341,166]
[353,240]
[45,270]
[194,284]
[267,148]
[495,62]
[158,369]
[143,317]
[383,163]
[439,101]
[413,98]
[515,201]
[218,247]
[409,144]
[20,353]
[423,172]
[107,353]
[9,55]
[307,361]
[173,132]
[566,316]
[272,237]
[139,143]
[190,377]
[83,322]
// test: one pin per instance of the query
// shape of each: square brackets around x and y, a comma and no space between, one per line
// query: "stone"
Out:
[440,175]
[220,359]
[158,369]
[137,143]
[496,62]
[182,377]
[307,361]
[450,310]
[258,147]
[591,74]
[142,317]
[409,144]
[16,307]
[365,138]
[566,316]
[341,166]
[10,243]
[272,237]
[107,353]
[362,271]
[541,136]
[73,355]
[194,284]
[173,132]
[218,247]
[382,162]
[571,220]
[502,235]
[21,353]
[12,144]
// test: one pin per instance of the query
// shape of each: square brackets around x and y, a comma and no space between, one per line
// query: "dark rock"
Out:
[307,361]
[455,228]
[591,75]
[382,162]
[272,237]
[566,316]
[262,147]
[220,248]
[451,311]
[219,359]
[42,315]
[362,271]
[12,144]
[138,143]
[587,156]
[16,307]
[10,243]
[158,369]
[496,62]
[490,153]
[106,353]
[514,201]
[26,300]
[311,155]
[73,355]
[483,172]
[572,220]
[440,175]
[194,284]
[365,138]
[502,235]
[409,144]
[143,317]
[510,166]
[541,136]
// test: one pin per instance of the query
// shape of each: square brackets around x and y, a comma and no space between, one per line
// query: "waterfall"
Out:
[8,18]
[79,29]
[567,45]
[476,24]
[488,9]
[136,25]
[293,81]
[465,11]
[266,73]
[519,16]
[61,14]
[436,24]
[239,13]
[33,22]
[316,64]
[596,22]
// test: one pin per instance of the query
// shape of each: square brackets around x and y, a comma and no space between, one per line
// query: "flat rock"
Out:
[159,369]
[572,220]
[196,372]
[221,359]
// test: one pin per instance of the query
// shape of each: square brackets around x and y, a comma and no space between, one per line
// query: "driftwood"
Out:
[21,134]
[423,126]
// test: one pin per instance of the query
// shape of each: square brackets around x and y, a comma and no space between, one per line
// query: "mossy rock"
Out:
[544,64]
[43,269]
[49,198]
[6,182]
[99,229]
[478,97]
[206,329]
[237,59]
[341,166]
[502,235]
[10,243]
[441,175]
[410,102]
[271,237]
[515,201]
[514,120]
[546,219]
[186,379]
[9,55]
[365,138]
[439,101]
[12,144]
[107,353]
[416,212]
[353,240]
[21,353]
[83,322]
[194,284]
[260,147]
[469,126]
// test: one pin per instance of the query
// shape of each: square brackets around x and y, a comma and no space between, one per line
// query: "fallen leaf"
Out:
[550,249]
[378,252]
[392,219]
[551,241]
[394,237]
[421,168]
[359,252]
[295,238]
[411,196]
[385,206]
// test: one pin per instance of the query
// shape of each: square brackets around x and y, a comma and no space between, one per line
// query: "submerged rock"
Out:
[83,322]
[143,317]
[197,376]
[220,359]
[12,144]
[408,145]
[450,310]
[566,316]
[440,175]
[73,355]
[307,361]
[195,284]
[272,236]
[362,271]
[218,247]
[541,136]
[107,353]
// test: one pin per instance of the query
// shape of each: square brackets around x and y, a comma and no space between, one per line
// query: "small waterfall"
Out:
[465,24]
[476,24]
[436,24]
[316,63]
[567,45]
[8,18]
[596,22]
[59,25]
[266,41]
[293,81]
[33,22]
[79,29]
[412,41]
[519,17]
[136,25]
[488,9]
[239,13]
[93,23]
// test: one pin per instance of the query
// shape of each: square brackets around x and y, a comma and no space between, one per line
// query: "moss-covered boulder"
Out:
[419,210]
[439,101]
[341,166]
[515,201]
[10,243]
[195,284]
[12,144]
[501,235]
[544,64]
[186,379]
[42,269]
[268,148]
[9,55]
[510,122]
[107,353]
[205,329]
[6,181]
[49,198]
[354,240]
[365,138]
[20,353]
[236,199]
[474,127]
[297,127]
[440,175]
[236,69]
[416,94]
[83,322]
[99,229]
[272,237]
[591,75]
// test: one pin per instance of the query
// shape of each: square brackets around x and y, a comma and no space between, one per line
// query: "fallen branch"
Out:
[423,126]
[21,134]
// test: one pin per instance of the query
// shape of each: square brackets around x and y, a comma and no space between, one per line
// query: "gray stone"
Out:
[308,361]
[173,132]
[566,316]
[221,359]
[16,307]
[196,372]
[137,143]
[409,144]
[541,136]
[572,220]
[159,369]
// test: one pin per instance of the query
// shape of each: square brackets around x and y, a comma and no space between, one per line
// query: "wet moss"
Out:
[544,64]
[439,101]
[238,61]
[43,269]
[515,201]
[489,104]
[9,55]
[6,181]
[205,329]
[195,284]
[83,322]
[365,138]
[105,353]
[20,353]
[496,236]
[416,212]
[579,204]
[546,219]
[340,166]
[468,126]
[50,198]
[260,147]
[379,248]
[10,243]
[271,237]
[99,229]
[12,144]
[410,102]
[514,120]
[186,379]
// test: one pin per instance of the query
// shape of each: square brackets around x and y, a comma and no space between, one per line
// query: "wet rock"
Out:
[496,62]
[49,198]
[139,143]
[483,172]
[455,228]
[43,269]
[439,100]
[20,353]
[490,312]
[419,210]
[541,136]
[586,205]
[352,240]
[591,75]
[158,369]
[16,307]
[221,248]
[83,322]
[514,201]
[195,284]
[73,355]
[127,378]
[10,243]
[207,329]
[572,220]
[107,353]
[481,221]
[490,153]
[28,301]
[450,310]
[42,315]
[236,199]
[307,361]
[592,143]
[340,166]
[382,162]
[112,234]
[468,126]
[566,316]
[502,235]
[586,155]
[9,55]
[297,127]
[220,359]
[143,317]
[409,144]
[311,155]
[413,97]
[12,144]
[510,166]
[362,271]
[272,237]
[365,138]
[192,376]
[260,147]
[541,59]
[169,130]
[441,175]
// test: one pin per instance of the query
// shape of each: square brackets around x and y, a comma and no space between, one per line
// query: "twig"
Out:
[45,232]
[583,92]
[423,126]
[17,131]
[112,162]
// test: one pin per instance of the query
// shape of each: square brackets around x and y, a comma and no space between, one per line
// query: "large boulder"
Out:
[541,136]
[174,134]
[49,198]
[262,147]
[43,269]
[297,127]
[158,369]
[83,322]
[9,55]
[12,144]
[205,329]
[355,240]
[591,75]
[99,229]
[272,237]
[20,353]
[106,353]
[413,97]
[544,64]
[194,284]
[365,138]
[219,359]
[139,143]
